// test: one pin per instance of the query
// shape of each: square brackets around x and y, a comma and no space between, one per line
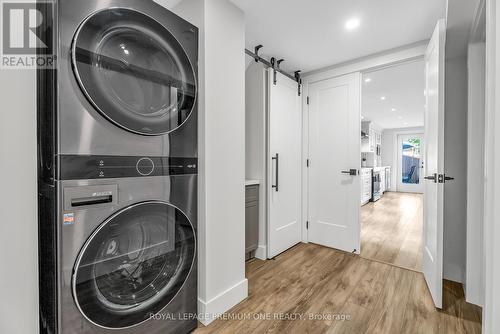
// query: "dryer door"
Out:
[134,71]
[133,265]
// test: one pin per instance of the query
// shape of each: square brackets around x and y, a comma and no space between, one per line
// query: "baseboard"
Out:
[209,311]
[261,252]
[453,272]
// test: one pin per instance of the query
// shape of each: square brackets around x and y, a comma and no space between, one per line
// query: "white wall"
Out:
[222,282]
[221,240]
[256,147]
[455,165]
[474,285]
[390,149]
[18,203]
[225,155]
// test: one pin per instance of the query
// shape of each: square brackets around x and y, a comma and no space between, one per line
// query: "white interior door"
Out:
[285,142]
[334,146]
[434,164]
[410,163]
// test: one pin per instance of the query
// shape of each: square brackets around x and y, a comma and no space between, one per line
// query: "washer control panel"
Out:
[77,167]
[145,166]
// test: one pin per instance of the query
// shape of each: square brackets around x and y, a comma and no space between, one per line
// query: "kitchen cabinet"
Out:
[251,219]
[373,141]
[366,185]
[378,138]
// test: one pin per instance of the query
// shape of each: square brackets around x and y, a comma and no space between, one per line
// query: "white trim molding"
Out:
[478,28]
[220,304]
[491,310]
[261,252]
[373,62]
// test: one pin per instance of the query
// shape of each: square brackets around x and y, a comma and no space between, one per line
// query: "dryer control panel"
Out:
[77,167]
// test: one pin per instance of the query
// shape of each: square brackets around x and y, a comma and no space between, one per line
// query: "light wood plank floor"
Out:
[311,280]
[391,230]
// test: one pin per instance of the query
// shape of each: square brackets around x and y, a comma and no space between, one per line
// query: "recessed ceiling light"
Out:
[367,80]
[393,109]
[383,98]
[362,117]
[352,24]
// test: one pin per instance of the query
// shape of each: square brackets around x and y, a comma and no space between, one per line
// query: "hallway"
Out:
[314,289]
[391,230]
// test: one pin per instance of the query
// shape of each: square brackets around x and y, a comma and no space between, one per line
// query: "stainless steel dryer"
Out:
[125,82]
[122,250]
[117,136]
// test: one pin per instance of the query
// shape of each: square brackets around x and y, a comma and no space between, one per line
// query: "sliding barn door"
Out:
[334,146]
[285,128]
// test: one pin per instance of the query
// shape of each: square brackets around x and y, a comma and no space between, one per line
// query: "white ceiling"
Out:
[311,34]
[403,87]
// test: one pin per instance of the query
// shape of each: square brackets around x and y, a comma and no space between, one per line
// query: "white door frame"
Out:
[399,187]
[407,54]
[474,276]
[491,320]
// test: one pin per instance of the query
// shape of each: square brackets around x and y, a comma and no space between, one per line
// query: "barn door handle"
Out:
[277,159]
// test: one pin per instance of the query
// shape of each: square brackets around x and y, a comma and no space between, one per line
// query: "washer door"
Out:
[134,71]
[133,265]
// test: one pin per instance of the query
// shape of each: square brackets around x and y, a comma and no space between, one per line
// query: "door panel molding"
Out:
[432,261]
[284,165]
[333,197]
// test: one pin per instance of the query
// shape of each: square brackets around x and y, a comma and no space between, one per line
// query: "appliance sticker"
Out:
[69,218]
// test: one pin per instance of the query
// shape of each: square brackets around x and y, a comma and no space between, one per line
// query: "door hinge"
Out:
[308,100]
[307,225]
[307,163]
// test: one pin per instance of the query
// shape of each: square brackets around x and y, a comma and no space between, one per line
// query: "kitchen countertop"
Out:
[251,182]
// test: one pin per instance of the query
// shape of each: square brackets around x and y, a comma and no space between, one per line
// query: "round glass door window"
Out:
[134,71]
[133,265]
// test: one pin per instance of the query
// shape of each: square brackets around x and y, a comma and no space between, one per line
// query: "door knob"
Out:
[439,178]
[351,172]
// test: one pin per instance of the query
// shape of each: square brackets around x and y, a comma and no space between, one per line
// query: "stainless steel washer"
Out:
[123,250]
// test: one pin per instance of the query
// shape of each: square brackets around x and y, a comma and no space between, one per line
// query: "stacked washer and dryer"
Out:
[117,123]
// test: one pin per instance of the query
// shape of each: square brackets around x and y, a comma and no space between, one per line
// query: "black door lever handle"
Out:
[439,178]
[432,178]
[351,172]
[443,178]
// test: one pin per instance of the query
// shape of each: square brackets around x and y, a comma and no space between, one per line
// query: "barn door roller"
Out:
[275,65]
